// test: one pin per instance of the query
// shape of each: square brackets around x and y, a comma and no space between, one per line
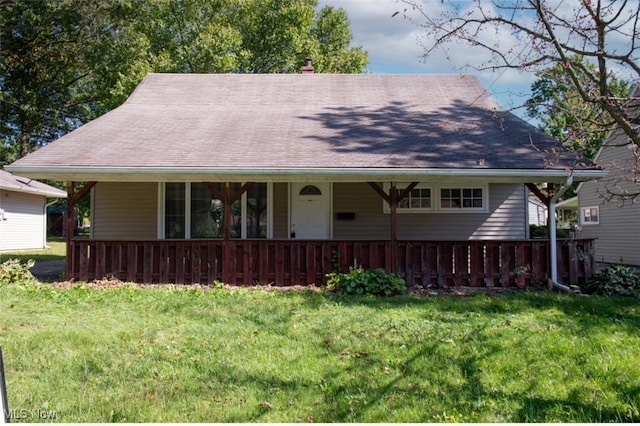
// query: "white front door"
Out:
[310,210]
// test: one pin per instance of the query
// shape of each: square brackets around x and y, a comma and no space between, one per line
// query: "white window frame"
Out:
[436,201]
[583,217]
[485,199]
[161,211]
[402,185]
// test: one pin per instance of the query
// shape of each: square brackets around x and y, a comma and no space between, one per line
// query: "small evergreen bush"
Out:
[361,281]
[615,280]
[14,272]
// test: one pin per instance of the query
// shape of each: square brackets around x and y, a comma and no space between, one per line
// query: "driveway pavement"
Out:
[48,270]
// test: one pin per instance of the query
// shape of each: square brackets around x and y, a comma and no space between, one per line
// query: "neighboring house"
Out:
[567,215]
[538,212]
[279,177]
[23,224]
[615,224]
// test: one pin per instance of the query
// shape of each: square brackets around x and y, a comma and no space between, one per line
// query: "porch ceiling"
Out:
[174,174]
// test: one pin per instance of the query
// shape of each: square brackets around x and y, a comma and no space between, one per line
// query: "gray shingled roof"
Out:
[14,183]
[283,123]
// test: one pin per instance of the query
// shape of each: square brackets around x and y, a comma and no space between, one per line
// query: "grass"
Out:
[177,355]
[56,250]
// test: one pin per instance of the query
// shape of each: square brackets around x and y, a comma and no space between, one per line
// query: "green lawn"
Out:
[178,355]
[56,250]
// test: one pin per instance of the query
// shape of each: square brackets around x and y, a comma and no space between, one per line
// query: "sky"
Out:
[392,44]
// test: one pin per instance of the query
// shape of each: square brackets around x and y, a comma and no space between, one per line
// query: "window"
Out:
[174,210]
[310,190]
[418,200]
[207,212]
[462,198]
[191,211]
[424,198]
[256,207]
[590,215]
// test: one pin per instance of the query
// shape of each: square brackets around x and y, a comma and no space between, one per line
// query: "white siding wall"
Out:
[124,210]
[24,228]
[618,233]
[506,218]
[537,214]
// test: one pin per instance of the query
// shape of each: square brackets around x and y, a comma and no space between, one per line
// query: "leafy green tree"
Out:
[65,62]
[331,52]
[563,113]
[260,36]
[51,59]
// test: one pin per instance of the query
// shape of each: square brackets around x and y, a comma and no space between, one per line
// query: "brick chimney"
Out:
[307,68]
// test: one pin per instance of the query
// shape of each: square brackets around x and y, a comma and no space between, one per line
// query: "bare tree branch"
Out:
[546,33]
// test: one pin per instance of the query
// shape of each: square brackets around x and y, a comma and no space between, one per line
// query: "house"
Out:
[23,203]
[538,212]
[281,178]
[567,214]
[613,221]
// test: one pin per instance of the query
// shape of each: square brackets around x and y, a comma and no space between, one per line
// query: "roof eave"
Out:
[35,191]
[214,174]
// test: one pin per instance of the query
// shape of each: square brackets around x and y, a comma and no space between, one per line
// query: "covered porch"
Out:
[300,260]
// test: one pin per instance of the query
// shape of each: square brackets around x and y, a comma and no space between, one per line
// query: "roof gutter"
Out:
[170,174]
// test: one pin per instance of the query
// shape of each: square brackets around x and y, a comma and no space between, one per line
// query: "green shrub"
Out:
[541,231]
[615,280]
[537,231]
[366,281]
[14,272]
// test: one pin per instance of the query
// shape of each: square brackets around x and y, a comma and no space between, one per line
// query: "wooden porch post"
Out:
[550,214]
[393,205]
[69,228]
[393,198]
[545,198]
[227,199]
[226,265]
[72,199]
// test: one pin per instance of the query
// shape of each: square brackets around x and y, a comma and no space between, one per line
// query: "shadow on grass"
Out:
[590,312]
[448,359]
[351,394]
[568,410]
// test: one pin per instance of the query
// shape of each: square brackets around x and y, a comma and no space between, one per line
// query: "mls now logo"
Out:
[16,414]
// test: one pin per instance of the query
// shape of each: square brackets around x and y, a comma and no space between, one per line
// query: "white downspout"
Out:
[552,235]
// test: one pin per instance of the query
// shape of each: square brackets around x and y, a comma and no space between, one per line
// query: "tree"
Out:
[261,36]
[65,62]
[46,60]
[562,113]
[547,34]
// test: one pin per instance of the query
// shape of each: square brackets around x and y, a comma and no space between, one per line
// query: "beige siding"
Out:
[125,210]
[129,211]
[23,228]
[280,210]
[618,233]
[506,218]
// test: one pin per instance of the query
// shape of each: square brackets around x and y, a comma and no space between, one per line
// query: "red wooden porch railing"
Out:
[290,262]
